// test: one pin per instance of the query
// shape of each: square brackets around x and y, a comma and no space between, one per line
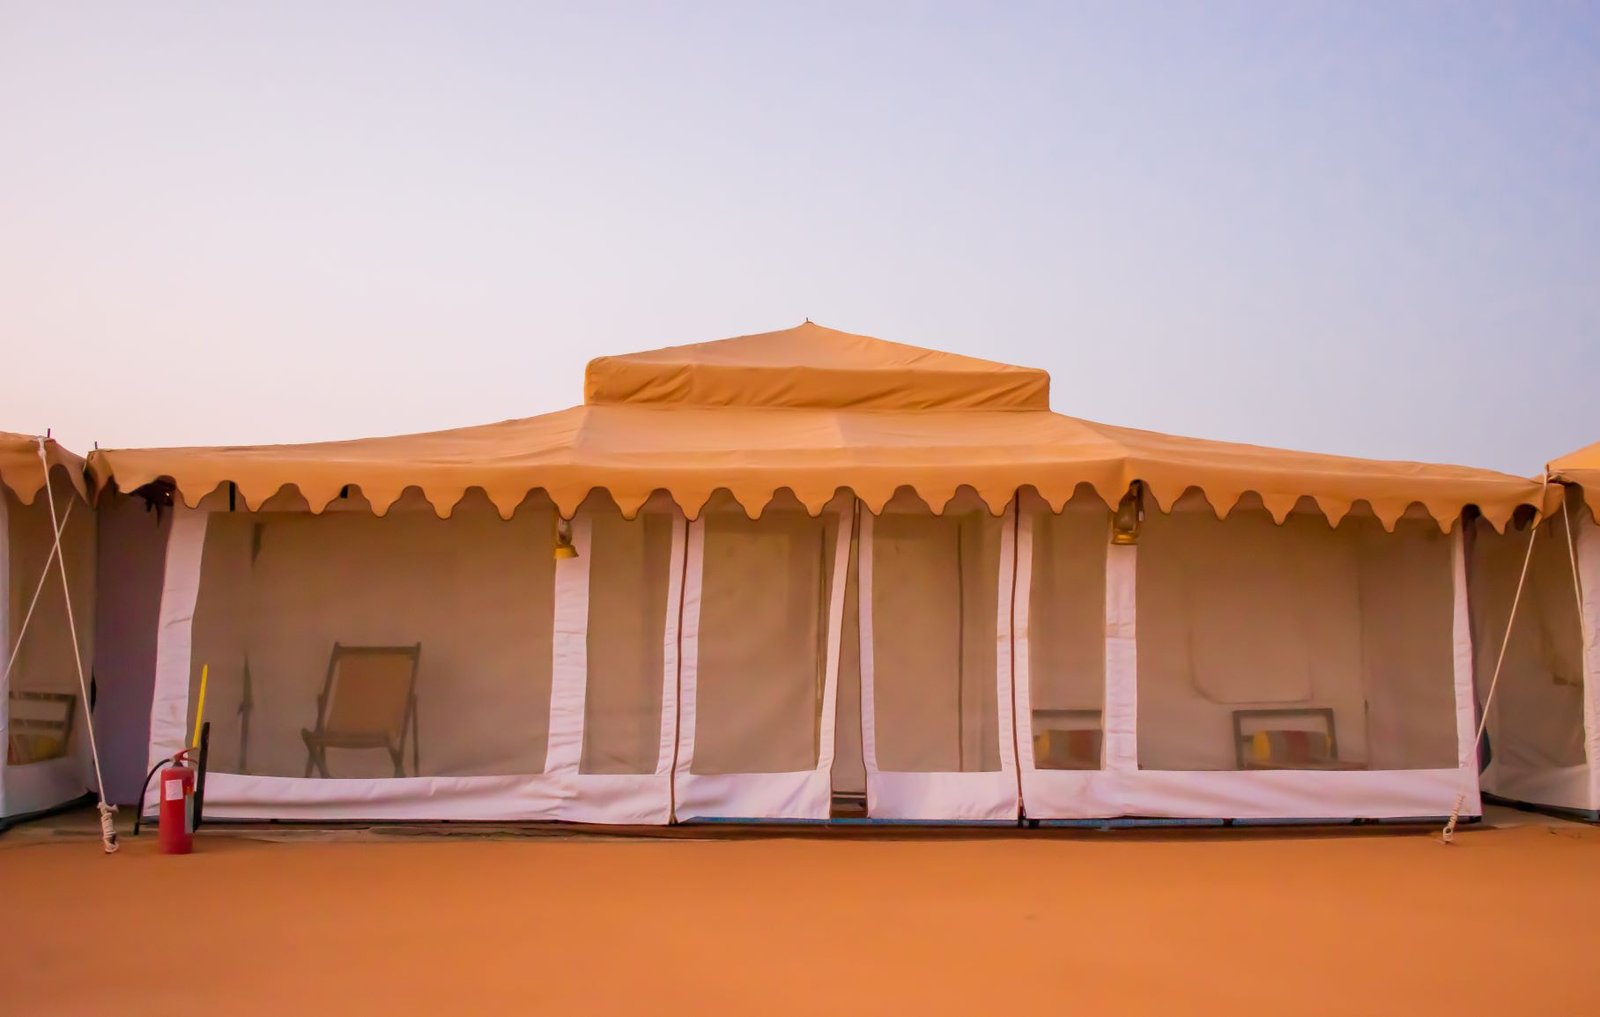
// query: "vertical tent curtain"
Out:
[614,691]
[936,677]
[763,606]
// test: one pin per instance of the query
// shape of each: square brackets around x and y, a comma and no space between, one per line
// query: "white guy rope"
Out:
[108,827]
[1471,755]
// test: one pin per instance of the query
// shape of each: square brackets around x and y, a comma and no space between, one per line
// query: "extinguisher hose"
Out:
[138,814]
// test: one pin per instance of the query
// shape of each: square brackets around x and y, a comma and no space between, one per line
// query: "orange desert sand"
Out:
[819,923]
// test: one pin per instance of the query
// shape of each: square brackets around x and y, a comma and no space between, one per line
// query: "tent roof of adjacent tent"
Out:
[1582,468]
[21,471]
[812,410]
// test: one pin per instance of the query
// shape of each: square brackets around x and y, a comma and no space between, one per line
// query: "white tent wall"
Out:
[1244,614]
[555,689]
[1541,728]
[763,607]
[131,538]
[36,773]
[936,697]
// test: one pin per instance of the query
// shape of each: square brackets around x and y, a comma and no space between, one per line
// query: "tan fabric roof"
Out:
[813,410]
[813,367]
[1583,468]
[20,469]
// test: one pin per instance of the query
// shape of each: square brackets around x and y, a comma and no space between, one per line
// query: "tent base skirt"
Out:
[86,799]
[1559,811]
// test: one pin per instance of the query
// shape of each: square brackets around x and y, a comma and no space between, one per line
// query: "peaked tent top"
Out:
[813,367]
[1582,468]
[812,411]
[20,469]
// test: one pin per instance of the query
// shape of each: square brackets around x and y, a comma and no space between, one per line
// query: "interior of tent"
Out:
[1297,645]
[1537,736]
[806,575]
[293,609]
[44,722]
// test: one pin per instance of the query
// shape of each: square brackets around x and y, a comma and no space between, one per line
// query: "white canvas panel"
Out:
[1462,654]
[1562,787]
[989,797]
[508,798]
[1295,794]
[169,704]
[44,785]
[1122,658]
[802,795]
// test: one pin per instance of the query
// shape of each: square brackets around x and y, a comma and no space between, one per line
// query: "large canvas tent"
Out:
[43,718]
[1543,724]
[806,564]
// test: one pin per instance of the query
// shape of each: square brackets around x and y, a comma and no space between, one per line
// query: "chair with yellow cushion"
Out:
[1302,738]
[1066,739]
[39,725]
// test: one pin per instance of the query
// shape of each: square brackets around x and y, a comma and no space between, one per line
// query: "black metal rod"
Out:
[200,773]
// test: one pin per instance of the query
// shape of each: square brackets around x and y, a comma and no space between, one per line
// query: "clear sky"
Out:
[1371,229]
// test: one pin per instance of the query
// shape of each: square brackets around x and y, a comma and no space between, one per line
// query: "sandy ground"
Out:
[823,924]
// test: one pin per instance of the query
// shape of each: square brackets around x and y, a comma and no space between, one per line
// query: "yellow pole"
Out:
[200,709]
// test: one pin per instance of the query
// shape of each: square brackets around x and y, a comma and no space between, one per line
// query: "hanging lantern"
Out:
[1130,512]
[564,548]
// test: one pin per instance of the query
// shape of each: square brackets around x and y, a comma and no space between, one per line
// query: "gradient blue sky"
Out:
[1370,229]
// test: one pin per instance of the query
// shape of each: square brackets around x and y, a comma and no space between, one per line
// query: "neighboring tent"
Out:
[1582,469]
[1544,723]
[43,719]
[927,609]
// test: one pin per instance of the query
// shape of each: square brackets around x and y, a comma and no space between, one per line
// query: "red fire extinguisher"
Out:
[177,806]
[183,794]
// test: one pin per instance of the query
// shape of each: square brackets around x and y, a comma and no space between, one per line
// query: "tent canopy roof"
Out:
[21,471]
[812,410]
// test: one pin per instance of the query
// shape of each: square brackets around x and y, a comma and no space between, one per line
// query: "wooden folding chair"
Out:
[1300,746]
[40,725]
[1067,739]
[368,701]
